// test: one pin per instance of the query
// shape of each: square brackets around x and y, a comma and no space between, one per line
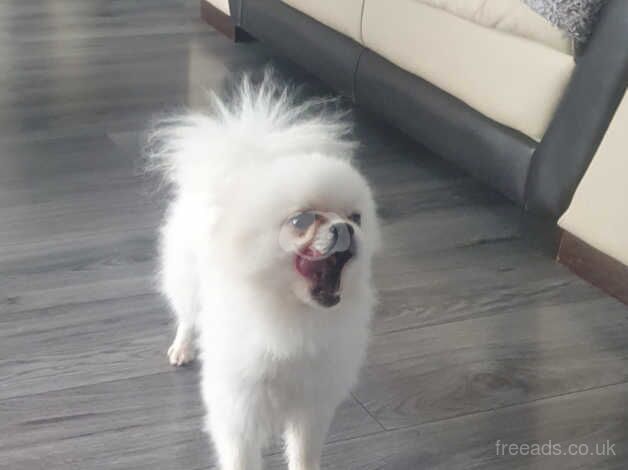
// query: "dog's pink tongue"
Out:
[306,266]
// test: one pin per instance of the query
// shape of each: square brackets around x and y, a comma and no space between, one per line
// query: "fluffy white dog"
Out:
[266,254]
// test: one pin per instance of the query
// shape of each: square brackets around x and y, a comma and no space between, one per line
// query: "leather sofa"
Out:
[498,91]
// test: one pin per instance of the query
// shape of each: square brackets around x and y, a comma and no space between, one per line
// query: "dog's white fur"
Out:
[273,361]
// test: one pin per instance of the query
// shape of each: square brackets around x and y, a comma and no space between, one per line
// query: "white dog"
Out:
[266,253]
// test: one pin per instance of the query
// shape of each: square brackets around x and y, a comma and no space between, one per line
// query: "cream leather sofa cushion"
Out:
[512,80]
[598,213]
[509,16]
[343,16]
[222,5]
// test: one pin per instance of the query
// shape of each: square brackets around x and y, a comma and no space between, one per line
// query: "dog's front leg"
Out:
[305,436]
[237,440]
[179,284]
[237,455]
[181,351]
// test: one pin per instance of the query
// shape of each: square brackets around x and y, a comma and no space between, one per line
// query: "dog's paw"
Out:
[180,353]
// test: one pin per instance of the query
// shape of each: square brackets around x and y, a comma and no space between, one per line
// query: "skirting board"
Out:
[594,266]
[222,22]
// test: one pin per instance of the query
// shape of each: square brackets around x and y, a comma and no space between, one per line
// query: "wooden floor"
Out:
[479,338]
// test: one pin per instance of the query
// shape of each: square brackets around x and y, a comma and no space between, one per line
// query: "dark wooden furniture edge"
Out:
[222,22]
[594,266]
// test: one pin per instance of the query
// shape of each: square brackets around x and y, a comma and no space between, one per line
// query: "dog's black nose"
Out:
[342,234]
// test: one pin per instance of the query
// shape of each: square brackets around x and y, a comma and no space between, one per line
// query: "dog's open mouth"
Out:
[324,275]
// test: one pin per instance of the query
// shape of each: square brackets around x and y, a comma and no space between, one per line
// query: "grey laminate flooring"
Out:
[479,338]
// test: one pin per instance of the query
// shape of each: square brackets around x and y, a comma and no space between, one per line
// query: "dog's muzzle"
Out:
[326,273]
[322,246]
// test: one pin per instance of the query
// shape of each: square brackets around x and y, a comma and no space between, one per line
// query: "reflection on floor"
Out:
[479,339]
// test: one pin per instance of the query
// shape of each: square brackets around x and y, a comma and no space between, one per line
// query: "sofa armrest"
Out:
[583,115]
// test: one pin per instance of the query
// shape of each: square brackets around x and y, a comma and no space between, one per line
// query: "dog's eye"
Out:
[303,221]
[356,218]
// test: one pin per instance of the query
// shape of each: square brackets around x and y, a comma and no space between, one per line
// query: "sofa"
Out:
[487,84]
[490,85]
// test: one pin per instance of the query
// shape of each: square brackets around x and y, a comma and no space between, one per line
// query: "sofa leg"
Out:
[541,233]
[222,23]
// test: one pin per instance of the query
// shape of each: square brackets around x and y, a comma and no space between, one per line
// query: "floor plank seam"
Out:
[90,384]
[89,302]
[366,410]
[497,313]
[505,407]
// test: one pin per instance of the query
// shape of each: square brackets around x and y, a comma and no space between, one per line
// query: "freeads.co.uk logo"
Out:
[550,448]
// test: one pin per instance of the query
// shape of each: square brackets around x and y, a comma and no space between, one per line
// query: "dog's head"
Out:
[301,227]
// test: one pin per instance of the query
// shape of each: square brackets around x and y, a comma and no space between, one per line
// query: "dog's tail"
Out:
[260,122]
